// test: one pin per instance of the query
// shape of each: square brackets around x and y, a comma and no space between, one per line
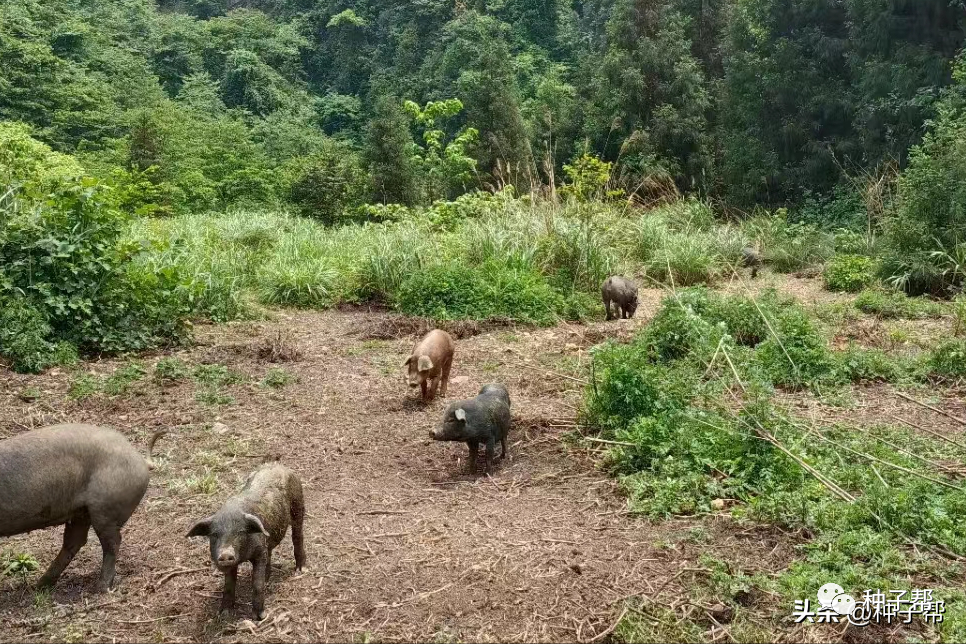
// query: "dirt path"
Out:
[402,545]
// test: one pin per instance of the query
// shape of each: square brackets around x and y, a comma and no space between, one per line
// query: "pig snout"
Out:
[227,558]
[432,434]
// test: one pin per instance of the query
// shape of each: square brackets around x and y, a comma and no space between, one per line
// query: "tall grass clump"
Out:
[787,246]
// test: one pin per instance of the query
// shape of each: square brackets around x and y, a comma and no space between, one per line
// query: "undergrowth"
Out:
[692,406]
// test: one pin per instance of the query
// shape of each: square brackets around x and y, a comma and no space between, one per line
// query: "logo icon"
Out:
[843,604]
[828,593]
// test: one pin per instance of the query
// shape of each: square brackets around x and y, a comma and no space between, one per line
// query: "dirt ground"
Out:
[402,544]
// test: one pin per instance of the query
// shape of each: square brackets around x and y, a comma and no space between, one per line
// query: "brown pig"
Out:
[429,364]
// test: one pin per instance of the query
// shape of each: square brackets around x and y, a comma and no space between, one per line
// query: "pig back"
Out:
[48,475]
[269,494]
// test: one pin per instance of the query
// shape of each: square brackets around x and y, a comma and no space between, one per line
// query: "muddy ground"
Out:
[402,543]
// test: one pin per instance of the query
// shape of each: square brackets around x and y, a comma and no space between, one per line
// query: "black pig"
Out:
[484,419]
[250,525]
[81,476]
[750,258]
[622,292]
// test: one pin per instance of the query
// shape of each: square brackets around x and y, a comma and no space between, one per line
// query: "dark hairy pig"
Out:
[621,293]
[250,525]
[78,476]
[483,419]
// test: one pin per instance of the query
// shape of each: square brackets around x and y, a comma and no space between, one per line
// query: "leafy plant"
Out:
[18,564]
[277,378]
[849,273]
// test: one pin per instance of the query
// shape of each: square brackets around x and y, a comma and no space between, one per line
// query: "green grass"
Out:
[278,378]
[892,304]
[84,386]
[123,379]
[529,261]
[692,403]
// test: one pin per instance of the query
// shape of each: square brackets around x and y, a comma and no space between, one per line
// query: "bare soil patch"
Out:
[402,543]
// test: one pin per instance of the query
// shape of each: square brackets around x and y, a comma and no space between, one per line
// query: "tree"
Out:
[388,154]
[647,99]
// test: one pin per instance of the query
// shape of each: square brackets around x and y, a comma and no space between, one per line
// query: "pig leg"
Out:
[444,376]
[424,389]
[607,308]
[490,452]
[268,567]
[258,582]
[75,536]
[503,445]
[228,596]
[110,538]
[474,446]
[298,543]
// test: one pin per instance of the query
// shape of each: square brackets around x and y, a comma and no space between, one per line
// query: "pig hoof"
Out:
[260,615]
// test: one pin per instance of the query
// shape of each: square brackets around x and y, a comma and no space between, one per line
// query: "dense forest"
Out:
[329,104]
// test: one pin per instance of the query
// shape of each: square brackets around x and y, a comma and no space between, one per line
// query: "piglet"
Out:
[250,525]
[620,294]
[429,363]
[484,419]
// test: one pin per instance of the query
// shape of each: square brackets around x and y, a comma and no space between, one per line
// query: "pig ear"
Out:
[424,364]
[460,414]
[408,360]
[200,529]
[254,524]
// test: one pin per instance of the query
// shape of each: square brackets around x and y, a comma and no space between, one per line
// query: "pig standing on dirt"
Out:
[750,258]
[623,293]
[429,364]
[81,476]
[250,525]
[484,419]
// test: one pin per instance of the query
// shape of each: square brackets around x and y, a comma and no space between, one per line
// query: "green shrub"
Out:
[797,355]
[679,331]
[788,247]
[277,378]
[452,292]
[169,370]
[329,185]
[949,359]
[743,317]
[63,254]
[120,382]
[849,273]
[857,364]
[890,304]
[24,333]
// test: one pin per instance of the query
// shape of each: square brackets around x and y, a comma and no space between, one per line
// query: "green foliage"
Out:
[389,154]
[849,273]
[447,169]
[18,564]
[170,370]
[24,333]
[121,381]
[948,360]
[587,178]
[786,246]
[328,184]
[278,378]
[891,305]
[84,386]
[797,354]
[450,292]
[924,232]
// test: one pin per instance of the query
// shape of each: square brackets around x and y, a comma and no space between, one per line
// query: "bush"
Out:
[857,364]
[788,247]
[798,355]
[949,359]
[924,230]
[329,185]
[452,292]
[76,279]
[24,333]
[849,273]
[890,304]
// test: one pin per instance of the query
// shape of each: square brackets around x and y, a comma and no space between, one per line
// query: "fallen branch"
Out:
[607,442]
[930,407]
[554,373]
[931,432]
[610,629]
[367,512]
[149,621]
[176,573]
